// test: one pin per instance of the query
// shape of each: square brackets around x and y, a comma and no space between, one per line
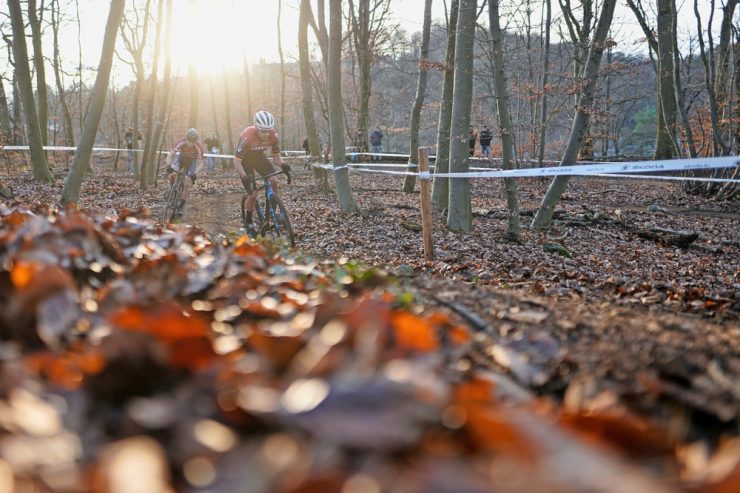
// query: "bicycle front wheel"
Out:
[173,197]
[281,221]
[258,215]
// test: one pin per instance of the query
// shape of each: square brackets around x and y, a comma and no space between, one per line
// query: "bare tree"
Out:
[194,83]
[504,119]
[368,23]
[34,20]
[545,212]
[71,191]
[146,176]
[544,88]
[5,126]
[421,88]
[23,73]
[134,31]
[153,142]
[460,214]
[440,187]
[304,64]
[720,147]
[69,133]
[282,68]
[336,123]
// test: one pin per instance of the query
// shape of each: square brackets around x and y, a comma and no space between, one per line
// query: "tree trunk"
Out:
[227,109]
[504,119]
[441,186]
[460,214]
[723,80]
[194,83]
[720,147]
[18,134]
[678,87]
[163,98]
[146,175]
[545,79]
[665,145]
[409,182]
[361,32]
[39,66]
[282,69]
[71,192]
[5,126]
[69,131]
[309,118]
[544,214]
[23,73]
[336,123]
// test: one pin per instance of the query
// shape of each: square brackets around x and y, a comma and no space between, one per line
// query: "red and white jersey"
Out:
[250,141]
[188,150]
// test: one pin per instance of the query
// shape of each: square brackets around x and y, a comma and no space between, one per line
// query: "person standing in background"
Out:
[376,142]
[213,146]
[485,139]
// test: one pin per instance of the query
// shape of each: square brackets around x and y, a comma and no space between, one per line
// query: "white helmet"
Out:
[192,134]
[264,120]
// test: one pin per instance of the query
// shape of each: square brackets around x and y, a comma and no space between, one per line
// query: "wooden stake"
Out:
[426,203]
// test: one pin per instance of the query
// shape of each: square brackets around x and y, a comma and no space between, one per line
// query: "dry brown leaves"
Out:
[137,358]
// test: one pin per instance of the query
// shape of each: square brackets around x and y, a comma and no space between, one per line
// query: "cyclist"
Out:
[250,156]
[187,157]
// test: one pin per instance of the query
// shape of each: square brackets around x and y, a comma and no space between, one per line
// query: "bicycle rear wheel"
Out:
[281,221]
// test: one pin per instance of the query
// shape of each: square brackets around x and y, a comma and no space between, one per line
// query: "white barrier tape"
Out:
[671,178]
[425,175]
[693,164]
[611,169]
[330,167]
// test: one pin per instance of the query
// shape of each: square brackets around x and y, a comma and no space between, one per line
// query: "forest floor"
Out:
[619,321]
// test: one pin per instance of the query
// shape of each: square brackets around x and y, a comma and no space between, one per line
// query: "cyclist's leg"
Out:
[188,181]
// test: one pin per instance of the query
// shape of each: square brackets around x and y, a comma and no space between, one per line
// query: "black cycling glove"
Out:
[285,168]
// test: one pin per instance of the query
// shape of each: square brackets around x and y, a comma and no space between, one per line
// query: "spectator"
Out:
[376,141]
[306,148]
[472,137]
[129,138]
[213,146]
[485,142]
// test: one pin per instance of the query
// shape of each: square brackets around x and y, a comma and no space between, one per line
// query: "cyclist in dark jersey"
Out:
[186,157]
[250,157]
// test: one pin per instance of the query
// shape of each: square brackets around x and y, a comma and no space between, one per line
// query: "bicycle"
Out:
[269,215]
[174,194]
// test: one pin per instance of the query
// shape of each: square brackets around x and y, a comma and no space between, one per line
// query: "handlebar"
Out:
[279,172]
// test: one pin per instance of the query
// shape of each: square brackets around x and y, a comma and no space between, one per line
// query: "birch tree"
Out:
[543,218]
[336,121]
[71,191]
[25,87]
[460,214]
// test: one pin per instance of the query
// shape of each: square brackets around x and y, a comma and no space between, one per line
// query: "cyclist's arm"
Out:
[239,168]
[277,160]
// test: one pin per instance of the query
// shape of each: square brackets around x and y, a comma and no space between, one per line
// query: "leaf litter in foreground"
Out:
[157,355]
